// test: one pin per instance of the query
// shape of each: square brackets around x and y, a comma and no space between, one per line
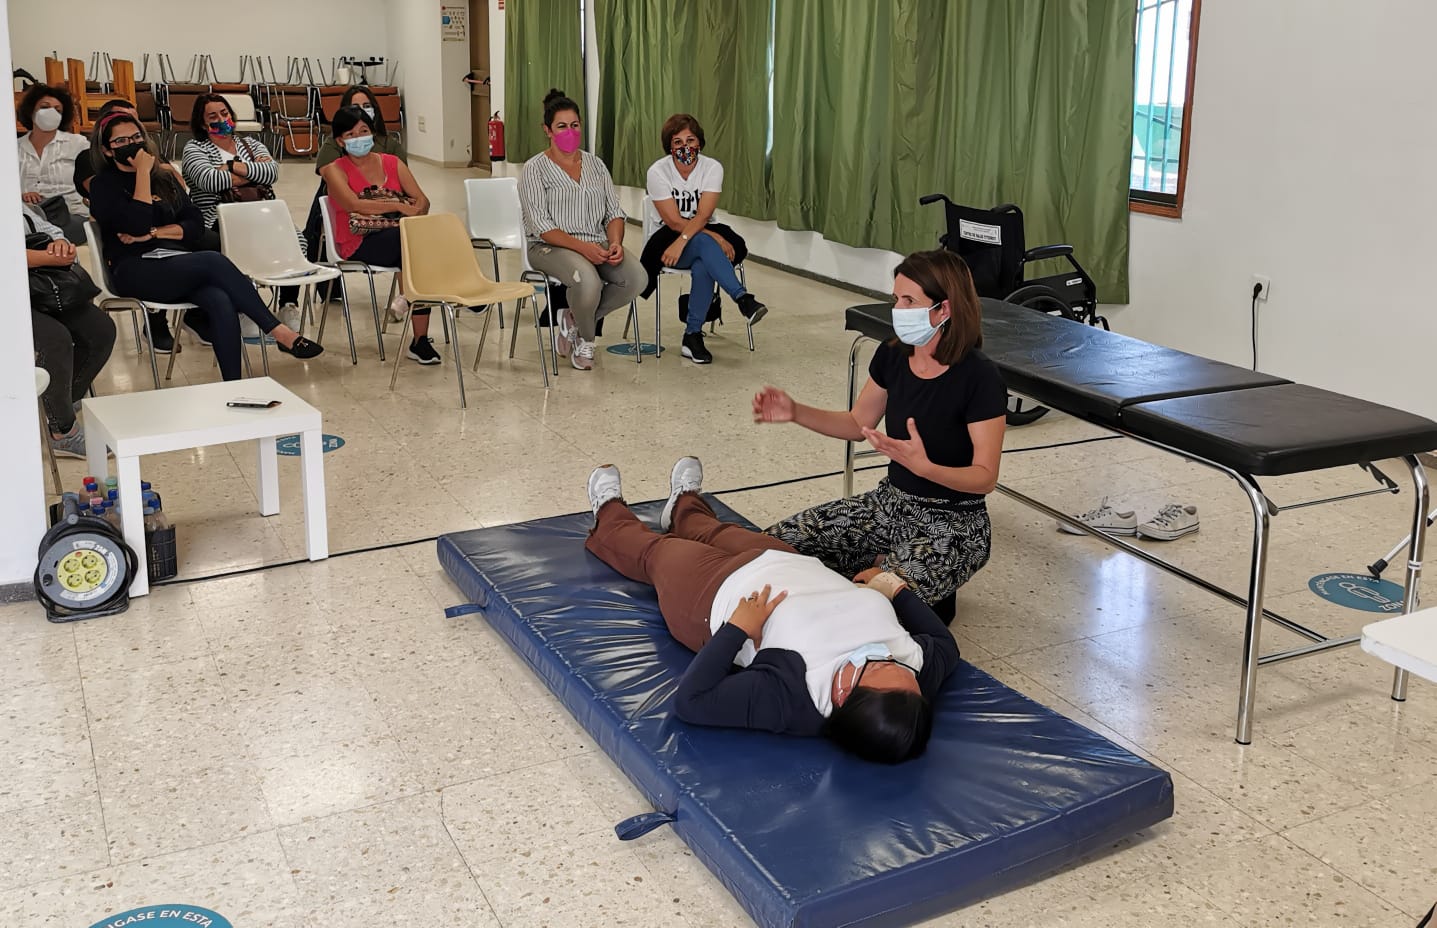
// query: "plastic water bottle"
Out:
[112,483]
[112,495]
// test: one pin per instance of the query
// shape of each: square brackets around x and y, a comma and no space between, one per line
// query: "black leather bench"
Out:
[1244,423]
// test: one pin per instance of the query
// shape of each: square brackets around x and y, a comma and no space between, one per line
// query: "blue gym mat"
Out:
[800,833]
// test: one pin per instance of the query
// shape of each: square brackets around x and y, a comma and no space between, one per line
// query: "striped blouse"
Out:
[51,173]
[205,169]
[552,200]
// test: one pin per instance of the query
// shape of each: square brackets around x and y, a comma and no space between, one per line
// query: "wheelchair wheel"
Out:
[1044,300]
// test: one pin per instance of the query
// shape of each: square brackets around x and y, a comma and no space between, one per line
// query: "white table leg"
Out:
[268,477]
[132,519]
[95,457]
[316,517]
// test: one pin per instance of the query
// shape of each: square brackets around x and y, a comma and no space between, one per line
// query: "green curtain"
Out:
[542,49]
[709,59]
[989,102]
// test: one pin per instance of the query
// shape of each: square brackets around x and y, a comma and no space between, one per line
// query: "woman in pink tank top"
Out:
[363,184]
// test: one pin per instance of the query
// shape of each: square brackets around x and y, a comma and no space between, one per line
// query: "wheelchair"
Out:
[991,242]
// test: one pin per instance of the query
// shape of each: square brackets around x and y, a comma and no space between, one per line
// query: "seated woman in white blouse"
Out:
[47,154]
[575,230]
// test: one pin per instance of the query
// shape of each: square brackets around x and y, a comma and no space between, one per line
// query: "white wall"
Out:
[1311,162]
[22,508]
[181,28]
[431,75]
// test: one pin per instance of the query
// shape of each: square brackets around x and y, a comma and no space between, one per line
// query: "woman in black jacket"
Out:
[153,236]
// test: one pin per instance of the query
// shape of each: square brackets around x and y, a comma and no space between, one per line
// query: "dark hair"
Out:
[377,122]
[883,726]
[943,275]
[555,102]
[345,119]
[25,112]
[112,104]
[197,115]
[162,181]
[678,123]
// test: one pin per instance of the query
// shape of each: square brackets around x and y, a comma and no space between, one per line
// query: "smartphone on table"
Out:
[249,402]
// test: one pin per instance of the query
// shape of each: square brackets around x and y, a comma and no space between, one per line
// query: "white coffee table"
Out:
[135,424]
[1407,641]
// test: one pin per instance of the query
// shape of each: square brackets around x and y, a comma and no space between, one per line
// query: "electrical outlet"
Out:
[421,124]
[1261,280]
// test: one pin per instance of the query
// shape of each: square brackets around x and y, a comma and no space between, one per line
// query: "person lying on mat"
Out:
[783,643]
[944,405]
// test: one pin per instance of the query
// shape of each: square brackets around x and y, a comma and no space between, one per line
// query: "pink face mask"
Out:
[567,140]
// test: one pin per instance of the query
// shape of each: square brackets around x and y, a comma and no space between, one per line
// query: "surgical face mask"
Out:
[368,110]
[686,154]
[47,119]
[223,127]
[873,651]
[567,140]
[911,326]
[359,146]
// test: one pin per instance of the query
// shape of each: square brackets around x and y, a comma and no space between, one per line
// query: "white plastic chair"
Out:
[109,302]
[347,266]
[42,383]
[496,221]
[259,238]
[652,223]
[243,109]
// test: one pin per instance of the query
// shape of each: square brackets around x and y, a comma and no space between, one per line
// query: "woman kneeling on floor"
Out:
[783,643]
[151,231]
[943,404]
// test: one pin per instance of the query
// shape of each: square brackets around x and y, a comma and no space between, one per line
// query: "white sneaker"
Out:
[568,334]
[398,308]
[686,477]
[604,486]
[1104,518]
[1172,521]
[290,314]
[583,357]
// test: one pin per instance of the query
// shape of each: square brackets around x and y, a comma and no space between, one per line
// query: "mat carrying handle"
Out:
[454,612]
[639,825]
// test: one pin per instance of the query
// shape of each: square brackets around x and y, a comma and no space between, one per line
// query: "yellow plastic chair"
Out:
[439,268]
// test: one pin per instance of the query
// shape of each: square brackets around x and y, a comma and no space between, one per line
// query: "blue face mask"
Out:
[873,651]
[359,146]
[911,326]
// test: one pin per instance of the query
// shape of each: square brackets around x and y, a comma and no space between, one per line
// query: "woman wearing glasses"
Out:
[151,231]
[783,643]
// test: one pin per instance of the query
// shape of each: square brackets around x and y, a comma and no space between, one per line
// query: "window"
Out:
[1162,103]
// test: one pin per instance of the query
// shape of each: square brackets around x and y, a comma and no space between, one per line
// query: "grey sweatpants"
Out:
[594,290]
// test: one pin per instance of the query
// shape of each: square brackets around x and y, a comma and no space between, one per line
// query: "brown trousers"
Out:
[685,567]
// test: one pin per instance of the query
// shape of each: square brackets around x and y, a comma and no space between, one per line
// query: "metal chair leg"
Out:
[399,355]
[638,340]
[135,325]
[483,334]
[494,253]
[150,344]
[538,336]
[49,446]
[175,349]
[747,325]
[450,322]
[658,318]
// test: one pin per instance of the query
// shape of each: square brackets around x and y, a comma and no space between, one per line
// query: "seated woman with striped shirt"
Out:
[221,167]
[575,230]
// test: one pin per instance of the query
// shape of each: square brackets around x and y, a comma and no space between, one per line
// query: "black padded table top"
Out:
[1080,369]
[1284,429]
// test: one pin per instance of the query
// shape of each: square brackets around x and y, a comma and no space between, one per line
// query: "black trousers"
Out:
[72,348]
[209,280]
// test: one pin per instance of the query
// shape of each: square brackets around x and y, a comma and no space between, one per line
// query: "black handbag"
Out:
[56,210]
[715,308]
[53,290]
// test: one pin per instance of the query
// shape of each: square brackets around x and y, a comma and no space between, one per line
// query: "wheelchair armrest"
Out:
[1048,251]
[932,198]
[1006,208]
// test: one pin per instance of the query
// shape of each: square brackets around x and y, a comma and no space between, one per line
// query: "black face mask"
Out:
[127,154]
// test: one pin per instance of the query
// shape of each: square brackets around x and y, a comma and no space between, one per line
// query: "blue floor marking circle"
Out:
[1358,591]
[627,349]
[289,444]
[167,915]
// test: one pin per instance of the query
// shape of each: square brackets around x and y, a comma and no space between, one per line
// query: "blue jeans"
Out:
[703,257]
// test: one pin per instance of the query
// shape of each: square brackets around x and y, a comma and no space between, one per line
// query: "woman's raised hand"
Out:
[772,405]
[143,161]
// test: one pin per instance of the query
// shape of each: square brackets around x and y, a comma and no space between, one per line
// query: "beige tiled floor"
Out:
[315,744]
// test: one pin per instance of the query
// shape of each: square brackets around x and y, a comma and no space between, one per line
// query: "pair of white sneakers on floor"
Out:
[1172,521]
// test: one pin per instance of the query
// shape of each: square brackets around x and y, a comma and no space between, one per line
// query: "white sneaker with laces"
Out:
[686,477]
[398,308]
[568,333]
[1104,518]
[1173,521]
[583,357]
[289,314]
[604,485]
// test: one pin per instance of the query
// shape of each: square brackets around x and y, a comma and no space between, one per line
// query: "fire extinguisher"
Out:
[496,138]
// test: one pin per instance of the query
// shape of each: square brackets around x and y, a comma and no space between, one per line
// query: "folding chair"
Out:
[652,223]
[110,303]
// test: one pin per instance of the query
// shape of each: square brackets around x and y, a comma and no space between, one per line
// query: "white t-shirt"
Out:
[665,183]
[825,618]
